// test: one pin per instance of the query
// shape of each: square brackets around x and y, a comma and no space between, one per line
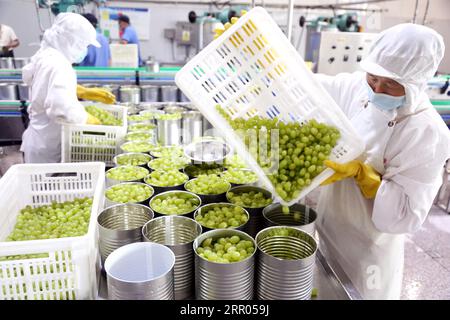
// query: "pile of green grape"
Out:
[221,216]
[127,173]
[56,220]
[208,184]
[106,118]
[250,199]
[138,136]
[240,176]
[226,250]
[234,162]
[168,116]
[137,118]
[149,115]
[133,159]
[301,150]
[196,170]
[177,163]
[141,127]
[129,192]
[167,152]
[138,146]
[170,178]
[174,203]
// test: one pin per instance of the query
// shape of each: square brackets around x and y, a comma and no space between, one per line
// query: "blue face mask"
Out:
[385,101]
[82,55]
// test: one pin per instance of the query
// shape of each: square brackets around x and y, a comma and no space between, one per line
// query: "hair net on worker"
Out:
[70,34]
[408,53]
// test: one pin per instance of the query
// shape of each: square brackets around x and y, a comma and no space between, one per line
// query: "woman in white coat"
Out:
[374,201]
[53,87]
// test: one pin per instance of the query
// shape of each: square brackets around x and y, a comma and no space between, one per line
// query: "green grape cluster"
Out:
[138,146]
[129,192]
[167,152]
[105,117]
[174,203]
[149,115]
[208,184]
[251,199]
[301,149]
[127,173]
[196,170]
[137,118]
[168,116]
[221,216]
[226,249]
[141,127]
[234,162]
[239,176]
[56,220]
[133,159]
[138,136]
[170,178]
[177,163]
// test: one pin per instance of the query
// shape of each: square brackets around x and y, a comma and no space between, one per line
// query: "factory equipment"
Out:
[57,6]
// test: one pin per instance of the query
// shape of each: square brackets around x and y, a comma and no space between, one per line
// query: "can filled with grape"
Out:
[210,188]
[178,234]
[254,200]
[132,158]
[180,203]
[162,181]
[128,192]
[285,266]
[222,216]
[224,265]
[140,271]
[120,225]
[298,216]
[125,173]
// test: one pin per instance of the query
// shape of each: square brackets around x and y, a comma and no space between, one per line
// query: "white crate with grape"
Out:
[85,143]
[252,80]
[48,231]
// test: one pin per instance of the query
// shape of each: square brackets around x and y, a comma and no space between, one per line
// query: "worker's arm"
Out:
[412,179]
[13,44]
[122,41]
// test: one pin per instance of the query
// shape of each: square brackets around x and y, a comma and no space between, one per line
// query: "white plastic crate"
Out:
[71,270]
[252,69]
[85,143]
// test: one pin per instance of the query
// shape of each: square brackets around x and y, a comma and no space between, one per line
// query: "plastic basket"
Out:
[85,143]
[252,69]
[71,270]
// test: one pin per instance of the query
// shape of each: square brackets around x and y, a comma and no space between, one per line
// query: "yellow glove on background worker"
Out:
[365,176]
[95,94]
[218,32]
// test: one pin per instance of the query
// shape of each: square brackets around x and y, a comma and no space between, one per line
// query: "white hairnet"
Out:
[408,53]
[70,34]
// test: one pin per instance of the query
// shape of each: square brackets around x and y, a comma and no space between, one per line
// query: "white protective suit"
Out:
[408,146]
[53,83]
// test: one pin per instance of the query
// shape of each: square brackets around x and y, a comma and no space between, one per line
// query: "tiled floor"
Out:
[427,252]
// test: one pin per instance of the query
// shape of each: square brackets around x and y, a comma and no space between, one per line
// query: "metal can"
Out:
[209,198]
[224,281]
[192,126]
[110,182]
[145,157]
[178,234]
[211,206]
[285,266]
[299,216]
[169,131]
[121,224]
[131,94]
[109,202]
[8,91]
[169,93]
[159,190]
[175,193]
[149,93]
[140,271]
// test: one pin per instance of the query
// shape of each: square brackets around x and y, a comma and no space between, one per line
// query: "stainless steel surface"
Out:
[23,92]
[169,131]
[285,266]
[149,93]
[140,271]
[207,151]
[274,216]
[6,63]
[122,155]
[209,198]
[21,62]
[256,221]
[120,225]
[109,202]
[131,94]
[192,124]
[224,281]
[173,193]
[183,97]
[178,234]
[205,208]
[8,91]
[169,93]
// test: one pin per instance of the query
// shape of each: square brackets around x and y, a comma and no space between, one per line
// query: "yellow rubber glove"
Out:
[219,31]
[92,120]
[366,177]
[95,94]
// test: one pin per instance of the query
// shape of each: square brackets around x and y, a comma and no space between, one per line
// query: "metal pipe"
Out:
[416,9]
[424,21]
[290,17]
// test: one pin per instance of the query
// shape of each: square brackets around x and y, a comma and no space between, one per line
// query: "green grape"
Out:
[149,114]
[136,118]
[221,216]
[55,220]
[177,163]
[167,152]
[249,199]
[235,162]
[138,146]
[237,249]
[127,173]
[196,170]
[106,118]
[129,192]
[174,203]
[141,127]
[133,159]
[138,136]
[168,178]
[240,176]
[168,116]
[285,209]
[208,184]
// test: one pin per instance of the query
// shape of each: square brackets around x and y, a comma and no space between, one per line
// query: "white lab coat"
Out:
[408,147]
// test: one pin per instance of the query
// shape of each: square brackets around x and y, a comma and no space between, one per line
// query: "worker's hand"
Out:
[93,120]
[365,176]
[95,94]
[218,31]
